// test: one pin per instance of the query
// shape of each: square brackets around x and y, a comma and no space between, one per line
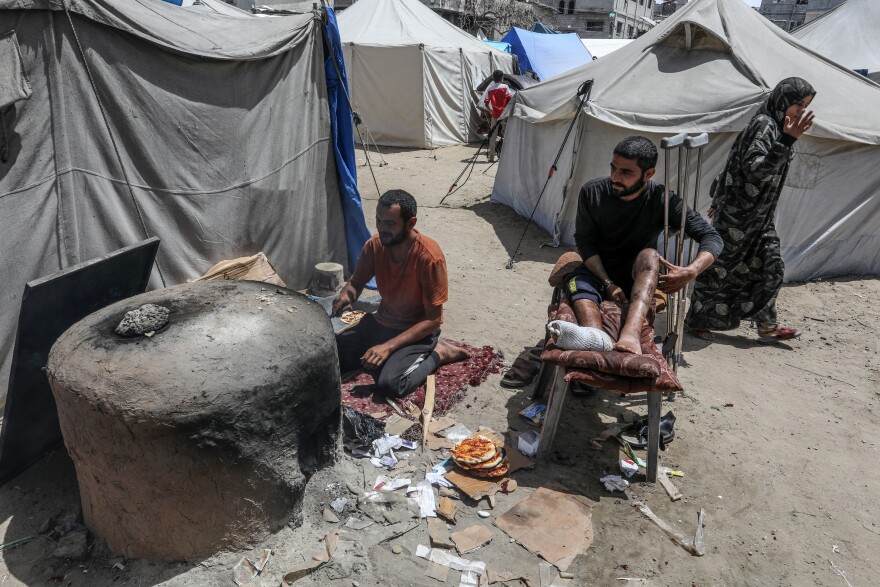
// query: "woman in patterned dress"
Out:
[745,280]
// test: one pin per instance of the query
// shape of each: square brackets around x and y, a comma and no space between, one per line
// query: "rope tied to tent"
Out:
[137,208]
[583,91]
[356,118]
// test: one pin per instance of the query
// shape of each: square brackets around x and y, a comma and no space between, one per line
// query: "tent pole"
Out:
[584,91]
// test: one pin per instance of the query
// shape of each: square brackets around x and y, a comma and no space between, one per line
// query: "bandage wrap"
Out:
[572,337]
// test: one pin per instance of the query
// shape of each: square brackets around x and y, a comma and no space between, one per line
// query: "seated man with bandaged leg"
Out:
[619,219]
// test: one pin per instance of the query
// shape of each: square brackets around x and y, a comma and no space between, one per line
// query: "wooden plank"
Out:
[655,406]
[671,490]
[427,409]
[558,391]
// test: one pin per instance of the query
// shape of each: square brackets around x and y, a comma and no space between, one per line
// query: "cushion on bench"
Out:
[613,371]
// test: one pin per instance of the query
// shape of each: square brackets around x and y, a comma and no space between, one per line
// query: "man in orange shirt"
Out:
[400,343]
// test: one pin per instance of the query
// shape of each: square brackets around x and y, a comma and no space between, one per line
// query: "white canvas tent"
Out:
[218,140]
[849,34]
[412,74]
[599,48]
[707,69]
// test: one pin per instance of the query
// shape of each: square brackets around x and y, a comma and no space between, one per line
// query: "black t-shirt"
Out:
[617,230]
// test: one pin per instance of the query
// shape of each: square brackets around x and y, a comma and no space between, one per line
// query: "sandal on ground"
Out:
[636,434]
[579,389]
[778,334]
[701,334]
[522,372]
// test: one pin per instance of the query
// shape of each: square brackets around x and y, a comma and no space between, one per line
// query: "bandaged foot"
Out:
[571,337]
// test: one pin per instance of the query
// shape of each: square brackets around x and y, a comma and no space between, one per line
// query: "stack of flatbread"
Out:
[480,457]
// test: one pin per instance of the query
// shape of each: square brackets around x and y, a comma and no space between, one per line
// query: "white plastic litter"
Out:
[423,493]
[338,504]
[469,579]
[628,467]
[387,483]
[614,483]
[529,442]
[441,557]
[572,337]
[457,433]
[386,444]
[438,479]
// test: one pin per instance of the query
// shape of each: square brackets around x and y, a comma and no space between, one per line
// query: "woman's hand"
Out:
[796,128]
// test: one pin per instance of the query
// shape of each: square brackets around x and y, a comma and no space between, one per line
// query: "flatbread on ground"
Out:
[474,450]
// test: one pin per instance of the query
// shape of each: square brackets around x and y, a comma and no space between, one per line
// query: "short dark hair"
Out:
[403,199]
[497,76]
[639,148]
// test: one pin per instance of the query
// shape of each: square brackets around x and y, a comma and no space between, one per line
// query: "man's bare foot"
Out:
[449,353]
[628,344]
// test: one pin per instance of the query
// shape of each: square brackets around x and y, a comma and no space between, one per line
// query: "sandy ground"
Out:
[777,443]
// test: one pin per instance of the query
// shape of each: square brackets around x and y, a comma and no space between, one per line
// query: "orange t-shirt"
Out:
[407,288]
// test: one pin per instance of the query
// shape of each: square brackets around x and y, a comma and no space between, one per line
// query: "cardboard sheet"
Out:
[471,538]
[439,534]
[554,522]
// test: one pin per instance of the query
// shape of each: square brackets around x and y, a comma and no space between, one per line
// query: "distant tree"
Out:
[499,15]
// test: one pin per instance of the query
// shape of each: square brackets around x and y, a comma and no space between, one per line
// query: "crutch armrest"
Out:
[696,141]
[673,142]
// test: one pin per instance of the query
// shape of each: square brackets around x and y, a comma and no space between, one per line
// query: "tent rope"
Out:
[584,91]
[355,116]
[112,138]
[469,166]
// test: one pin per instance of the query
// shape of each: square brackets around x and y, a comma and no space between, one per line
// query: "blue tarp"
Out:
[547,55]
[540,27]
[356,231]
[500,45]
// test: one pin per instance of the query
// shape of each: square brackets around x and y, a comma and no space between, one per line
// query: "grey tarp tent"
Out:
[221,124]
[707,68]
[849,34]
[412,74]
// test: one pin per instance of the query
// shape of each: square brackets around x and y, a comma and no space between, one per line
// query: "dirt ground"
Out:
[777,443]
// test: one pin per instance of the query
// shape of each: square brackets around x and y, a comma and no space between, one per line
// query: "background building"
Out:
[790,14]
[604,19]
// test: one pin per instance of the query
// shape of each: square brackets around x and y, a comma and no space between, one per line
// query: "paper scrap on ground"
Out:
[440,424]
[469,579]
[441,557]
[395,425]
[331,541]
[439,534]
[390,484]
[357,523]
[244,572]
[447,509]
[506,577]
[471,538]
[554,522]
[438,479]
[264,560]
[423,493]
[436,571]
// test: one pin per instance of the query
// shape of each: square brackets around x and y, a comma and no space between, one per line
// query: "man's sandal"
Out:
[778,334]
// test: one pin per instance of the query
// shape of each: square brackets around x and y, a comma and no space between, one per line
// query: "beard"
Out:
[622,192]
[390,239]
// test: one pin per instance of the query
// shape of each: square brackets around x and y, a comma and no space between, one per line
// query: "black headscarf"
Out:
[786,93]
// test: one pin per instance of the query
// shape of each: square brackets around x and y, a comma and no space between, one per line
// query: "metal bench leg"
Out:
[655,406]
[555,401]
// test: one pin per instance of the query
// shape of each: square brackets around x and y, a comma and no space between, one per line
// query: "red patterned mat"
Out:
[452,382]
